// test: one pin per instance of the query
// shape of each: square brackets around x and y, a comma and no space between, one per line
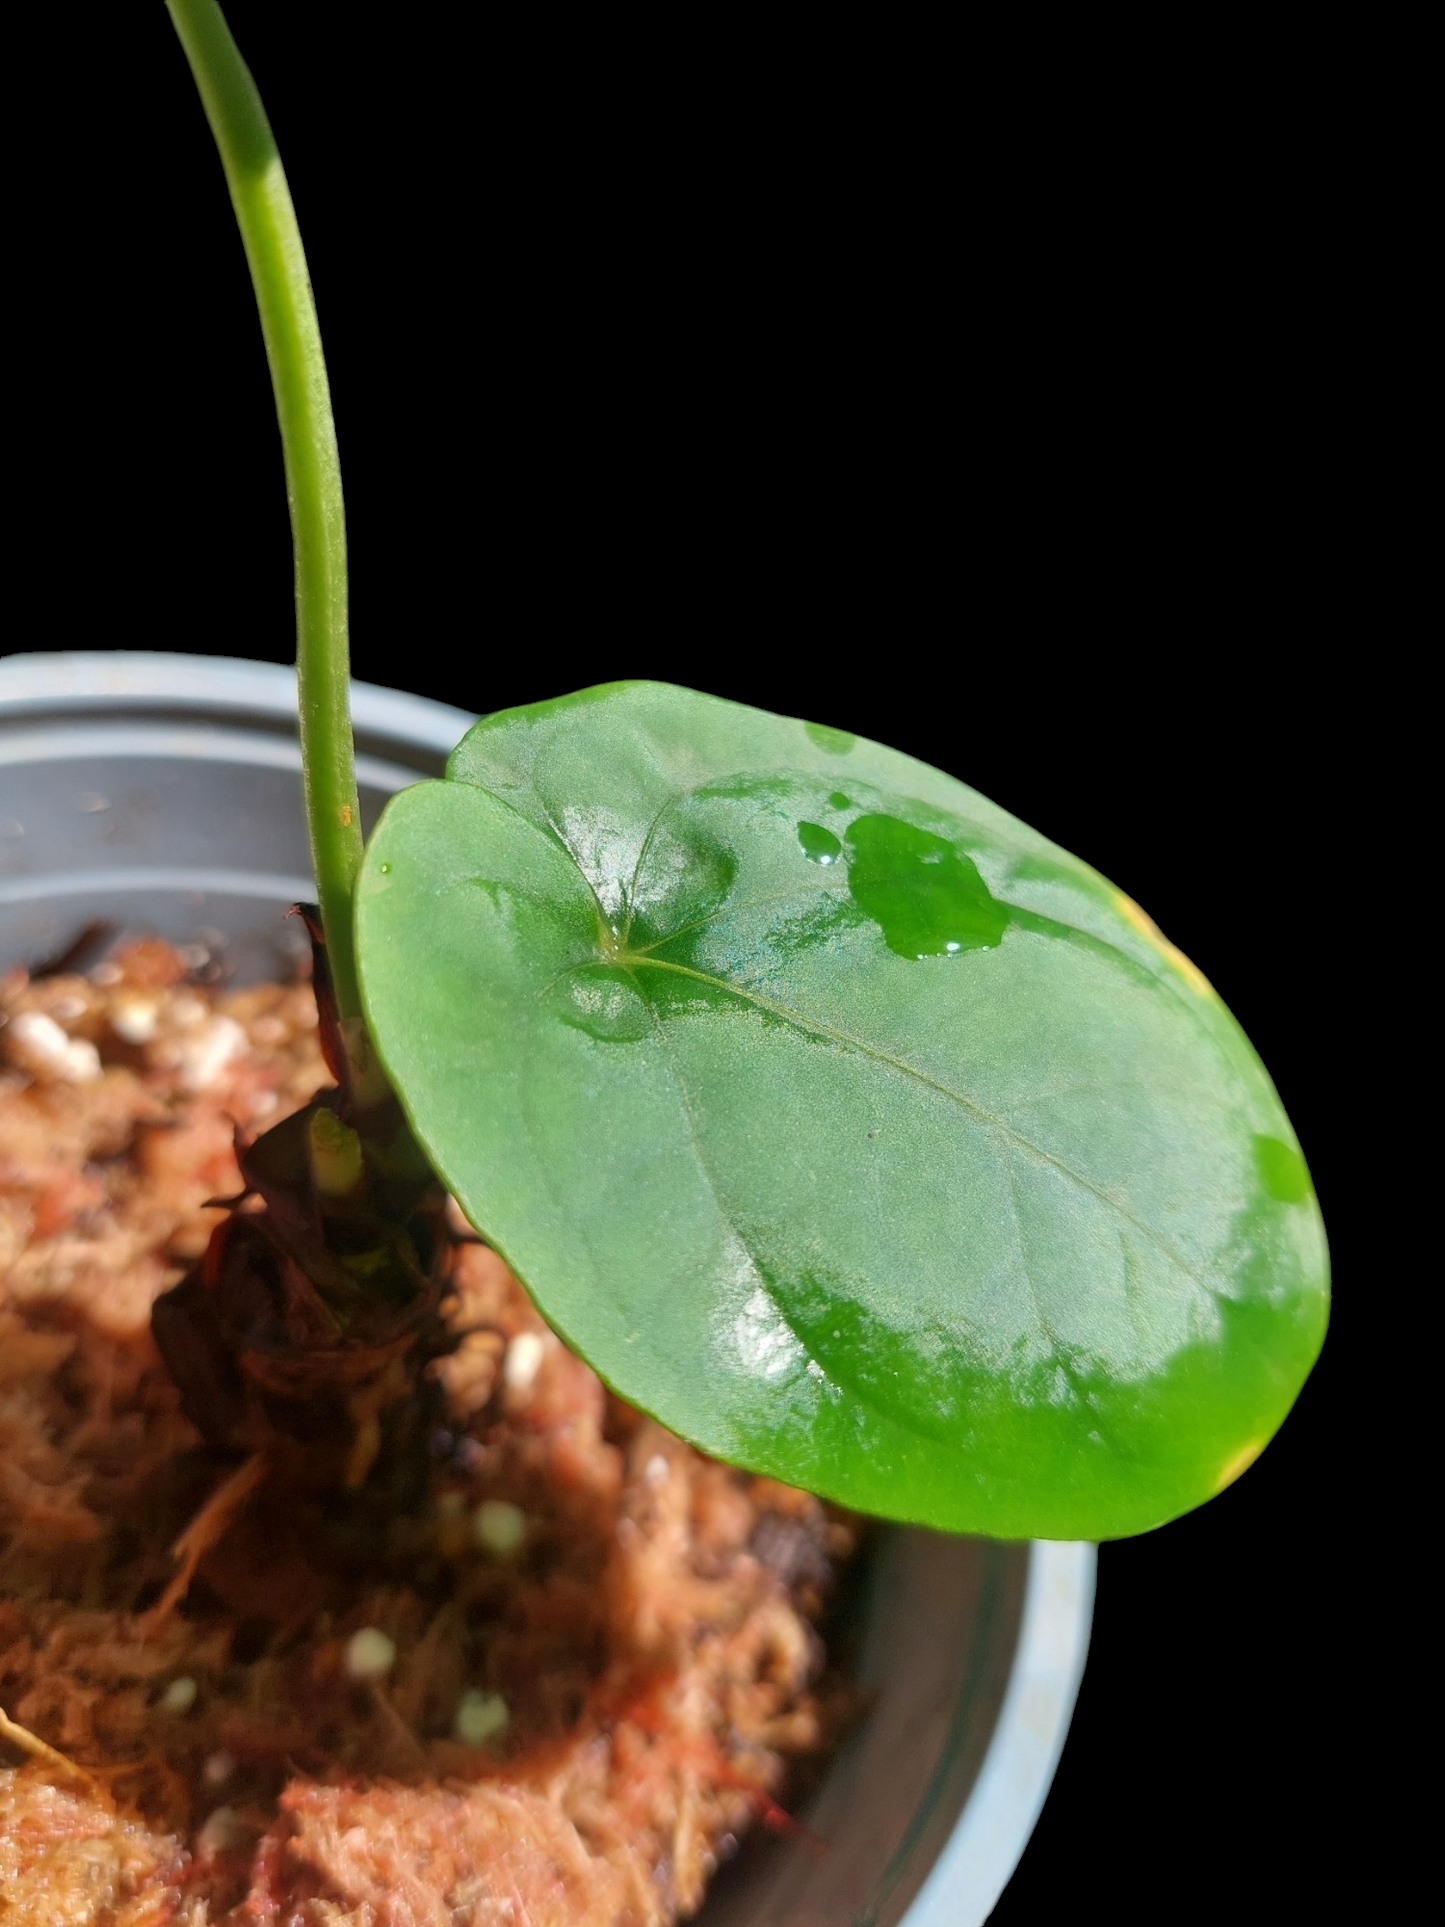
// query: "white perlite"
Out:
[135,1019]
[38,1045]
[498,1526]
[524,1356]
[223,1830]
[370,1654]
[480,1717]
[179,1696]
[207,1052]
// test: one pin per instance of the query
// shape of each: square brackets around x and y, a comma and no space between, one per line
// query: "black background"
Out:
[825,436]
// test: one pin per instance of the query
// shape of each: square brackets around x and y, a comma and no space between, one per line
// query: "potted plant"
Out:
[847,1117]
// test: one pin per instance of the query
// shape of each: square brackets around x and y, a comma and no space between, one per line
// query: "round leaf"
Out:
[858,1132]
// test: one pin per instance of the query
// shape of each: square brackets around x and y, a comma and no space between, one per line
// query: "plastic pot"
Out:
[162,793]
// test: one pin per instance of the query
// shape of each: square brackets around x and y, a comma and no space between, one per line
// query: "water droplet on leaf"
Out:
[1282,1170]
[927,898]
[837,742]
[817,844]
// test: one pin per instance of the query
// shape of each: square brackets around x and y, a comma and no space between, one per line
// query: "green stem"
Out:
[272,240]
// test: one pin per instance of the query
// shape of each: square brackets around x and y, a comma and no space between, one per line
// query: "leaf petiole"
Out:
[272,239]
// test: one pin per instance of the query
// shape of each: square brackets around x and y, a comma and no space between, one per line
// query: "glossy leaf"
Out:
[855,1130]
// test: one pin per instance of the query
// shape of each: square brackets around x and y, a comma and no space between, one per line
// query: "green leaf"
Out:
[853,1129]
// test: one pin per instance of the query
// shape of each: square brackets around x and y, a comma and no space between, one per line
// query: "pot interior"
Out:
[172,806]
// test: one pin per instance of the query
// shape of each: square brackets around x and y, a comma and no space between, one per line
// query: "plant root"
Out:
[38,1749]
[204,1532]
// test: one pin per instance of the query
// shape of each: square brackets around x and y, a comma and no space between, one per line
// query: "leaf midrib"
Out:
[989,1120]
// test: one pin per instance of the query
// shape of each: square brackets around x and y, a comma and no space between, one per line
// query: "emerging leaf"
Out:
[858,1132]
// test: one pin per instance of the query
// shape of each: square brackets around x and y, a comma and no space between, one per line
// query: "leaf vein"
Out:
[985,1117]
